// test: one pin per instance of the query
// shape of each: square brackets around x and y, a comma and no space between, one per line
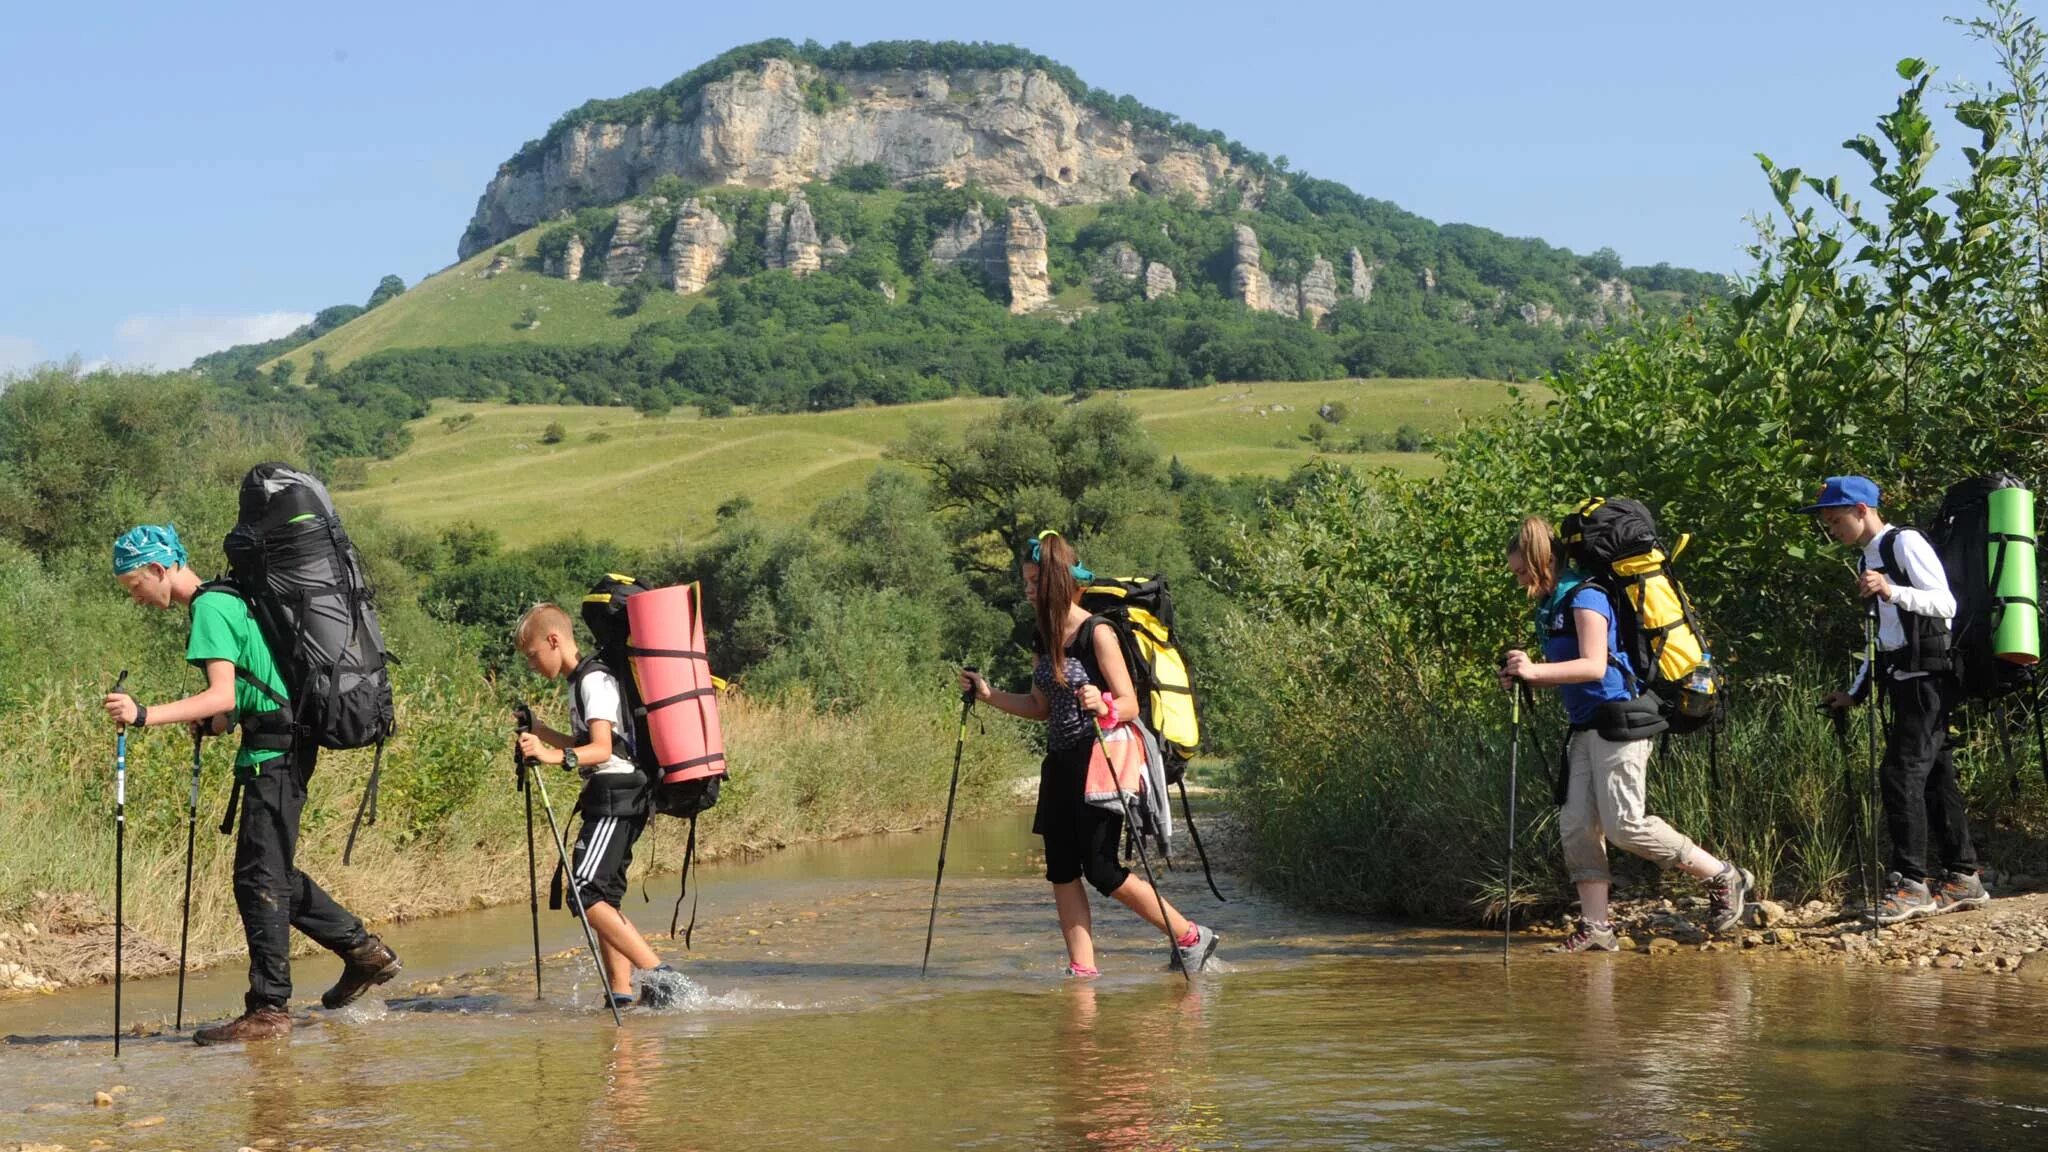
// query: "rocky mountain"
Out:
[1012,131]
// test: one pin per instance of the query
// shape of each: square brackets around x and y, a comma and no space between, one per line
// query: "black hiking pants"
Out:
[271,893]
[1922,797]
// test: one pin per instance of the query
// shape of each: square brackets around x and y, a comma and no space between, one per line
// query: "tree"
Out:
[387,288]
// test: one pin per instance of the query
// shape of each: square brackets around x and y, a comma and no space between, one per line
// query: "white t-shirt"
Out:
[1922,590]
[599,699]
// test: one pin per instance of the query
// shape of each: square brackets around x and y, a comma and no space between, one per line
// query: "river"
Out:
[807,1026]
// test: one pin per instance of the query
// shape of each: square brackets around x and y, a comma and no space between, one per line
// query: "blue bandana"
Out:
[1081,574]
[148,544]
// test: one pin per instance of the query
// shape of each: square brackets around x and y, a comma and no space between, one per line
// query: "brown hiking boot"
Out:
[363,966]
[256,1024]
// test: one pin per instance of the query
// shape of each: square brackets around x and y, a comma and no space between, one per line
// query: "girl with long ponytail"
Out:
[1080,680]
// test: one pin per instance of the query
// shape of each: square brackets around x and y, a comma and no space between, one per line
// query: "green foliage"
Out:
[387,288]
[868,177]
[554,433]
[1897,339]
[633,296]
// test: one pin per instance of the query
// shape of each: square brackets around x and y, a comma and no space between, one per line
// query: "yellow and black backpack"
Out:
[1140,611]
[1614,543]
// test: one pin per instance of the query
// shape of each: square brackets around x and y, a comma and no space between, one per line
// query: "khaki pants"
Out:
[1605,802]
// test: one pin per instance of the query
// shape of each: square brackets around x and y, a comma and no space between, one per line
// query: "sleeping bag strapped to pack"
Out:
[1140,612]
[289,558]
[1614,543]
[657,635]
[1984,533]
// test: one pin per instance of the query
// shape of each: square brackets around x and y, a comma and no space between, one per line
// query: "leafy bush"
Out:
[554,433]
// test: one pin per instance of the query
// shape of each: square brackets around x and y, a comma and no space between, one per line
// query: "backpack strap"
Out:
[1888,558]
[272,731]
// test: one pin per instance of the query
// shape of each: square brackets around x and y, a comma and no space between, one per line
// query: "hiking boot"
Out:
[660,987]
[1727,896]
[1903,900]
[1959,891]
[362,967]
[1590,937]
[1193,956]
[264,1023]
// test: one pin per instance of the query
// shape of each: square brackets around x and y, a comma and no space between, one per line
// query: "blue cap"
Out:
[148,544]
[1845,492]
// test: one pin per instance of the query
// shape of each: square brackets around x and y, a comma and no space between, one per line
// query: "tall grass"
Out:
[1376,781]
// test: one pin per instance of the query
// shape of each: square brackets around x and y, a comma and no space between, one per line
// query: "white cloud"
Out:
[18,354]
[174,340]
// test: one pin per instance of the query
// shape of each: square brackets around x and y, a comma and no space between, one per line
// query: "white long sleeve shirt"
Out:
[1921,589]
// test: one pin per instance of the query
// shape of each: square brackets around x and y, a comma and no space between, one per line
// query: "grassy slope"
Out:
[456,307]
[672,473]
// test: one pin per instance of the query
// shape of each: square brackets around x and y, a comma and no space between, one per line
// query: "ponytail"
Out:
[1059,588]
[1535,541]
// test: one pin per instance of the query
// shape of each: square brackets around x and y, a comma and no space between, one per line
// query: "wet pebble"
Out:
[1660,945]
[146,1122]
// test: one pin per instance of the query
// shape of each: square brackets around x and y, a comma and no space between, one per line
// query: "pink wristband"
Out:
[1107,720]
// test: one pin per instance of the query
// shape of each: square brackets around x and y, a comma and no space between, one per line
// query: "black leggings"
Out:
[1085,844]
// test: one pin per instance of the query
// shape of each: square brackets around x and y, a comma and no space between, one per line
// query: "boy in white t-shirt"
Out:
[614,800]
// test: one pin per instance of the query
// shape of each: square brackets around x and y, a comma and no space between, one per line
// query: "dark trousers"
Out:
[1921,794]
[271,893]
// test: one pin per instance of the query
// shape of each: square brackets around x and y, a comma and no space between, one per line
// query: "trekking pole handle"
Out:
[120,756]
[968,697]
[522,721]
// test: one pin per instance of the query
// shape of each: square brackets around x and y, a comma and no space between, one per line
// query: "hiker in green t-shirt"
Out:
[271,769]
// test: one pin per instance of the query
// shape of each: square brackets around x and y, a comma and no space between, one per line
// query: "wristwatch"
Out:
[569,759]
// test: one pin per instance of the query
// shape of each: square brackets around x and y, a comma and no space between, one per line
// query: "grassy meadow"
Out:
[486,463]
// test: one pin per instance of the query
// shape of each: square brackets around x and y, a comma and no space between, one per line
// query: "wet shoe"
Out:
[1727,896]
[619,999]
[659,987]
[256,1024]
[1903,900]
[1959,891]
[1194,956]
[1076,972]
[1590,937]
[362,967]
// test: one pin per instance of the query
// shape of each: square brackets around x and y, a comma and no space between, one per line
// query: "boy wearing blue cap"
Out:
[271,769]
[1901,575]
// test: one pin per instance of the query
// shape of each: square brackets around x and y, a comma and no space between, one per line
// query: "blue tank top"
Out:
[1561,642]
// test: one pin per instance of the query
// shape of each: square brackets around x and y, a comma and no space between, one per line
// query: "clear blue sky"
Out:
[175,178]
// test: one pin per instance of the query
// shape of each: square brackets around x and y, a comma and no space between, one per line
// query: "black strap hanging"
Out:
[689,854]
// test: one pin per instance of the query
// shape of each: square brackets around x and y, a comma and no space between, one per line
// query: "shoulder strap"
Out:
[229,587]
[1888,558]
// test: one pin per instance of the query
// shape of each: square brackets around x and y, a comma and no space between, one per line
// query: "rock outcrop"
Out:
[836,249]
[1428,279]
[1361,277]
[1318,290]
[802,252]
[1247,279]
[1124,260]
[772,238]
[626,259]
[1539,314]
[964,241]
[568,265]
[1159,281]
[1612,300]
[697,248]
[1012,131]
[1024,251]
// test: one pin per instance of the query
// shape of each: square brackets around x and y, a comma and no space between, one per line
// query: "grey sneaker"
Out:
[1590,937]
[659,987]
[1195,956]
[1903,900]
[1960,890]
[1727,896]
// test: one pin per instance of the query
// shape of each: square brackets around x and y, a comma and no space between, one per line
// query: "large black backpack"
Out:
[1974,558]
[290,559]
[604,615]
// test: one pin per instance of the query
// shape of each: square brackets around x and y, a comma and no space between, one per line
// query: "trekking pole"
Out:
[1144,857]
[120,844]
[1871,882]
[539,780]
[532,875]
[185,913]
[1507,926]
[946,829]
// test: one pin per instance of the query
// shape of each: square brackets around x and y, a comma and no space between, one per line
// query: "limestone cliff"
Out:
[1247,279]
[802,252]
[569,265]
[1159,281]
[697,248]
[1361,277]
[1030,280]
[1318,290]
[626,259]
[1015,132]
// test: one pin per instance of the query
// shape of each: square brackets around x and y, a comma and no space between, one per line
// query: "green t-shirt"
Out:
[222,629]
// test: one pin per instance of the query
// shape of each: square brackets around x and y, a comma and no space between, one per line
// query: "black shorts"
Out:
[1085,844]
[603,853]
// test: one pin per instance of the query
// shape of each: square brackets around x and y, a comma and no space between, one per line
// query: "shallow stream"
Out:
[807,1026]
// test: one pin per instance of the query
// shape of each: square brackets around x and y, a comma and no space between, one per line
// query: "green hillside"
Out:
[646,481]
[459,307]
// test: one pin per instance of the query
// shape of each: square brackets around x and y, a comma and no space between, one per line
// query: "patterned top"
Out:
[1068,726]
